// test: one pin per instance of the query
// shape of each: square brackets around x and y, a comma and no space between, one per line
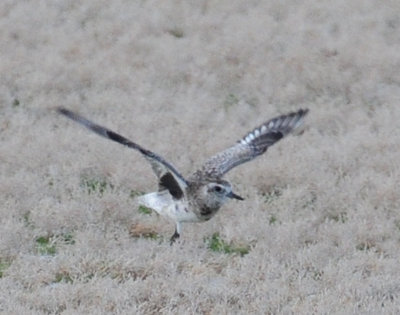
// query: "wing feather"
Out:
[252,145]
[169,177]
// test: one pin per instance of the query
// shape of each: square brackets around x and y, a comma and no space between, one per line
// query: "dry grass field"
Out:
[319,231]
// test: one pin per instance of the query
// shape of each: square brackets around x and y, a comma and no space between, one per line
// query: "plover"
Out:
[199,197]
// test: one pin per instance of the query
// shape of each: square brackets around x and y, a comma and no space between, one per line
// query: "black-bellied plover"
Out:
[199,197]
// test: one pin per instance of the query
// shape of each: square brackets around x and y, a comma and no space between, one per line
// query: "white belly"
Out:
[163,204]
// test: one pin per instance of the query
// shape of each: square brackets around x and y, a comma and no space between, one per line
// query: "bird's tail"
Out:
[157,201]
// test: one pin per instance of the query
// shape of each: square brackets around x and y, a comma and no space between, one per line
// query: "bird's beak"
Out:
[233,195]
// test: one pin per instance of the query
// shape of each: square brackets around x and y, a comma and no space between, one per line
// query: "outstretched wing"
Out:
[169,177]
[252,145]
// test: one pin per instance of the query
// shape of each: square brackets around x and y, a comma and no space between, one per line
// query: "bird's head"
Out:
[216,193]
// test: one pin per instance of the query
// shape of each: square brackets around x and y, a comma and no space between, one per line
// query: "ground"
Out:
[319,231]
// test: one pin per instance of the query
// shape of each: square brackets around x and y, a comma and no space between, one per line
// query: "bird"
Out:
[198,197]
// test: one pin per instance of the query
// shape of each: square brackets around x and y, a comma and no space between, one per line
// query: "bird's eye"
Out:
[218,188]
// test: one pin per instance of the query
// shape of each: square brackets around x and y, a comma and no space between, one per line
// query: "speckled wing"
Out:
[169,177]
[252,145]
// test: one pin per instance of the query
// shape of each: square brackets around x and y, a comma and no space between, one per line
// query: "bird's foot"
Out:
[174,237]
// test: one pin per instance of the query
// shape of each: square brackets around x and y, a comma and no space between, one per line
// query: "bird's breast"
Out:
[182,212]
[206,213]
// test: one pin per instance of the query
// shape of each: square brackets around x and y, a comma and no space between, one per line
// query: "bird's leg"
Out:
[174,237]
[177,233]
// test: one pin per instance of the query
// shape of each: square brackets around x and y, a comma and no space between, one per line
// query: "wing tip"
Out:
[293,120]
[303,112]
[63,111]
[69,114]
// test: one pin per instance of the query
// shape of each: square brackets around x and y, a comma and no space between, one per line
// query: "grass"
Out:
[272,195]
[365,245]
[176,32]
[152,236]
[67,238]
[63,277]
[272,219]
[230,100]
[216,244]
[327,231]
[138,230]
[4,264]
[47,245]
[27,220]
[95,185]
[338,217]
[144,210]
[16,102]
[134,193]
